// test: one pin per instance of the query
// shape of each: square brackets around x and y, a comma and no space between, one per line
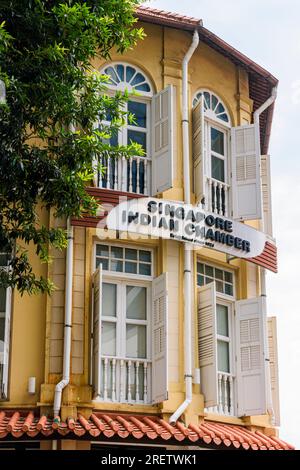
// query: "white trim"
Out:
[122,85]
[210,114]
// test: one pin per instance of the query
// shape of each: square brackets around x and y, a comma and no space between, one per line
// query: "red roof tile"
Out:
[24,425]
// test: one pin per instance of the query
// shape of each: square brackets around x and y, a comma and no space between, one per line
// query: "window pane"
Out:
[136,341]
[108,339]
[217,168]
[109,300]
[228,289]
[138,137]
[140,112]
[143,87]
[219,274]
[200,280]
[145,269]
[130,71]
[136,302]
[130,254]
[228,277]
[130,267]
[116,265]
[116,252]
[145,256]
[101,250]
[209,271]
[217,141]
[219,286]
[223,357]
[222,320]
[2,299]
[200,268]
[102,261]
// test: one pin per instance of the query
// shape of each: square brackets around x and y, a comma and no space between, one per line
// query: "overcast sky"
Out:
[268,32]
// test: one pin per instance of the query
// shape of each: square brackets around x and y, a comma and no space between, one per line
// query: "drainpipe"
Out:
[256,116]
[68,323]
[187,250]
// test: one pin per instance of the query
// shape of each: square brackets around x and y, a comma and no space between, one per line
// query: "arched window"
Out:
[127,76]
[213,106]
[131,175]
[215,128]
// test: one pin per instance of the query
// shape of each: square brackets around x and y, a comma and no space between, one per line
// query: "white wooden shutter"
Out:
[162,140]
[6,346]
[199,150]
[159,339]
[266,194]
[207,338]
[273,358]
[246,186]
[251,366]
[97,306]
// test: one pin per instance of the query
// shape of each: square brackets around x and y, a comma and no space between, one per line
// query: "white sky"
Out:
[268,32]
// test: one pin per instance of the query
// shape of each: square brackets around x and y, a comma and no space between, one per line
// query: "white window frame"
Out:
[220,300]
[120,319]
[117,274]
[6,314]
[213,123]
[221,295]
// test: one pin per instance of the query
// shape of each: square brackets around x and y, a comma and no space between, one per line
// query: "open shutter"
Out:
[159,339]
[273,358]
[246,186]
[162,140]
[207,338]
[251,367]
[97,306]
[266,194]
[199,150]
[6,347]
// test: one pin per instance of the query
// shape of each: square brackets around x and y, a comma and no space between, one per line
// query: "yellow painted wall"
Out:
[38,322]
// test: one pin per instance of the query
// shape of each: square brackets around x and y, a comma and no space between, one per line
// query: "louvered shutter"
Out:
[199,151]
[162,140]
[159,339]
[207,340]
[96,314]
[6,345]
[266,194]
[251,364]
[273,358]
[245,164]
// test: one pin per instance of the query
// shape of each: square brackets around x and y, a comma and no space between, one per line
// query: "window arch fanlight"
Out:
[213,106]
[124,76]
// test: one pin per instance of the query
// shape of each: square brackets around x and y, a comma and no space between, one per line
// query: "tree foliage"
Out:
[46,54]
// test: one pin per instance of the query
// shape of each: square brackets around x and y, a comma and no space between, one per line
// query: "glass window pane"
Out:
[145,256]
[219,286]
[219,274]
[116,265]
[200,280]
[130,254]
[200,268]
[102,261]
[140,112]
[101,250]
[228,289]
[143,87]
[222,320]
[223,357]
[116,252]
[136,341]
[138,137]
[109,300]
[120,71]
[207,99]
[217,141]
[209,271]
[130,267]
[2,299]
[217,168]
[130,71]
[136,302]
[228,277]
[145,269]
[208,280]
[214,102]
[108,339]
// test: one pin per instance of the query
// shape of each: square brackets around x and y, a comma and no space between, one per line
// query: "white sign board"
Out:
[161,218]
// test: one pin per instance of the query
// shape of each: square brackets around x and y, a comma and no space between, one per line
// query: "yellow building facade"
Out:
[128,332]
